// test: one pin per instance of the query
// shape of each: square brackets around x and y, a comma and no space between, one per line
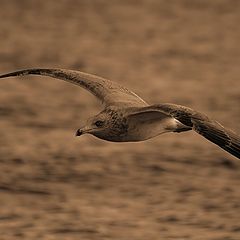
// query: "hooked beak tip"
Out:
[79,132]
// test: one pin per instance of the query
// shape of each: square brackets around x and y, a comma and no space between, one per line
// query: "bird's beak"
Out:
[79,132]
[82,131]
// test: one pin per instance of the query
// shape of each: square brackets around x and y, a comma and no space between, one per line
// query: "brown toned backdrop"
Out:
[55,186]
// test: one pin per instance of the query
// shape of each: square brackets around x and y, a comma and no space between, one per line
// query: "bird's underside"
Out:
[127,117]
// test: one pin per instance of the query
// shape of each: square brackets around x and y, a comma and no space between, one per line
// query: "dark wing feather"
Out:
[219,135]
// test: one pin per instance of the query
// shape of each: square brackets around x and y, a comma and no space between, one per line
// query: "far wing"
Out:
[110,93]
[210,129]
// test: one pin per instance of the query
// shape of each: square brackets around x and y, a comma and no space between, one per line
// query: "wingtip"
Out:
[35,71]
[16,73]
[223,137]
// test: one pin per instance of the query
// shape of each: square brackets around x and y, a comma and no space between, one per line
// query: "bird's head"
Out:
[107,125]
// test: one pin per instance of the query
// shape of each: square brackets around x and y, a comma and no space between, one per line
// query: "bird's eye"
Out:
[99,123]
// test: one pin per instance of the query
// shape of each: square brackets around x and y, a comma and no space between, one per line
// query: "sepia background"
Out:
[176,186]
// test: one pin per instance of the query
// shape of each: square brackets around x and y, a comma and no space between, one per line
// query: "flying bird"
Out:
[128,118]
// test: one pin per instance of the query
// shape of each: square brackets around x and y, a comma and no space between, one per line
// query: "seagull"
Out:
[128,118]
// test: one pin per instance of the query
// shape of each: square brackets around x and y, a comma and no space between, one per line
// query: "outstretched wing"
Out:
[199,122]
[110,93]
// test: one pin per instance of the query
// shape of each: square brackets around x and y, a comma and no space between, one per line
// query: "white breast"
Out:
[144,130]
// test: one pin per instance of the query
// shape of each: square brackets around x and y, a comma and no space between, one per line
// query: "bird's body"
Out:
[128,118]
[122,126]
